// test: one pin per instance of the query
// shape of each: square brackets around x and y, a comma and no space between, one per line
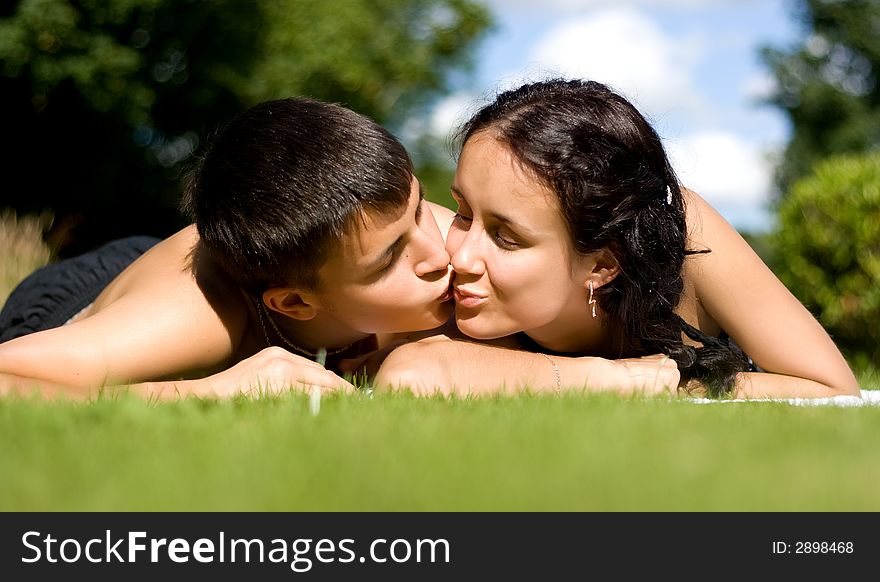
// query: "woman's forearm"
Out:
[467,368]
[753,385]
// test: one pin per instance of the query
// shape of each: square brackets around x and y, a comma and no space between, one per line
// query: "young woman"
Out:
[310,232]
[574,238]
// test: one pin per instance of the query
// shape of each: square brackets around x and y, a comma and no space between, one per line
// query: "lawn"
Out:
[395,452]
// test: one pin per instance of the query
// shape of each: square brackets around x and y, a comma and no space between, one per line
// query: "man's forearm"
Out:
[12,385]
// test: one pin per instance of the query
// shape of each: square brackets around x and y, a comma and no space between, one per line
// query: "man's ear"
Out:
[291,302]
[605,268]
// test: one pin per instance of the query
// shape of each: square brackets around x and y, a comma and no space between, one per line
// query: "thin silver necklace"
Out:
[263,313]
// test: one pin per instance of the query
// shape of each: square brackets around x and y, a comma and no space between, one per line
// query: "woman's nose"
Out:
[464,253]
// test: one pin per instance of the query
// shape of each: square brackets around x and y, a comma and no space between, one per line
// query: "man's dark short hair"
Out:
[282,183]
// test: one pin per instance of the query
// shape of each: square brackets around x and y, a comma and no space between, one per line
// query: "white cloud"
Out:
[574,6]
[451,112]
[759,87]
[627,50]
[723,168]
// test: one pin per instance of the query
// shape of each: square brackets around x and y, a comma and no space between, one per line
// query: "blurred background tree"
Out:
[829,244]
[826,247]
[827,85]
[103,102]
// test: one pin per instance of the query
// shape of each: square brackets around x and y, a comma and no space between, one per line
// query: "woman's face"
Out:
[515,268]
[391,273]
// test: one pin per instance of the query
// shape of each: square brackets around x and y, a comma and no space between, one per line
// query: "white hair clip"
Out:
[668,196]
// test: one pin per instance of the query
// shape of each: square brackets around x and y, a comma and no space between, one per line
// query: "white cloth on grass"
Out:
[869,398]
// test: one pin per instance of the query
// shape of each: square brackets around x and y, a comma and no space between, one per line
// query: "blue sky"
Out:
[691,66]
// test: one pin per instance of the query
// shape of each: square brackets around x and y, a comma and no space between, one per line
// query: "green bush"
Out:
[828,250]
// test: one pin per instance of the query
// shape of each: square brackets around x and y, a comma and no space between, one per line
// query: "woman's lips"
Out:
[465,298]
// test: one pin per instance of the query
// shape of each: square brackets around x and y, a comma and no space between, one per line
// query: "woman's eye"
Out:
[461,217]
[505,243]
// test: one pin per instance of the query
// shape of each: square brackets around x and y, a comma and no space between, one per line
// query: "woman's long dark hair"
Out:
[617,191]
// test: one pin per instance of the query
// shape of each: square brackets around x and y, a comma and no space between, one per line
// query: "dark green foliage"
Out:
[828,248]
[828,85]
[102,103]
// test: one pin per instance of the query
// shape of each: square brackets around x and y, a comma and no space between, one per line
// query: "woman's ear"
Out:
[605,268]
[291,302]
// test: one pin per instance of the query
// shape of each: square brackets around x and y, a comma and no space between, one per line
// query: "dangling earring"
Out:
[592,301]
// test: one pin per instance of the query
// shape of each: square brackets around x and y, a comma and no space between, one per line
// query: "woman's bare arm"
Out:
[739,292]
[444,365]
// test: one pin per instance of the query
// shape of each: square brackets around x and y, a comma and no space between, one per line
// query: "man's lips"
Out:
[447,295]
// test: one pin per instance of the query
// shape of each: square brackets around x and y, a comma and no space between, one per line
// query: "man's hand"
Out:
[271,371]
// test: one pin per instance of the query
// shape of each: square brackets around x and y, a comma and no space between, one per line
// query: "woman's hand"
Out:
[649,375]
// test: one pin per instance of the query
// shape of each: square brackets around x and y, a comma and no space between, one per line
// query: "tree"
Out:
[103,102]
[829,235]
[828,85]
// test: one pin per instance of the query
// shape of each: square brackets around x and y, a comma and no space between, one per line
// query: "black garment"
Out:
[753,367]
[529,344]
[53,294]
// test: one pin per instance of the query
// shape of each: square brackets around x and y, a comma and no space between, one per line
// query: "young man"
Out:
[309,232]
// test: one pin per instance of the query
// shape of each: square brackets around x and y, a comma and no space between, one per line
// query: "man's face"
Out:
[391,274]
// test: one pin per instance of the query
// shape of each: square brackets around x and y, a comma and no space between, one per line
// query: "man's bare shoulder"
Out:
[443,216]
[153,322]
[175,283]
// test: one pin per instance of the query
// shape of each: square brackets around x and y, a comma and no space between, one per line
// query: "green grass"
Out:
[397,452]
[868,376]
